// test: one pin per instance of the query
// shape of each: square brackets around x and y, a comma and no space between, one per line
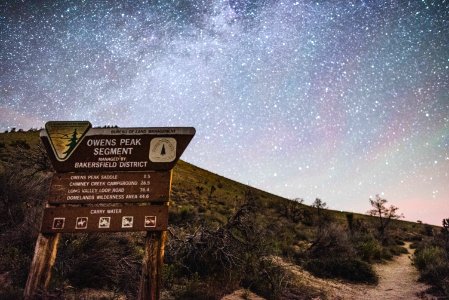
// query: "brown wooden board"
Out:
[105,219]
[114,149]
[109,187]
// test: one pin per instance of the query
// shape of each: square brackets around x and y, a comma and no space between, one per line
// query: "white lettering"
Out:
[113,183]
[91,164]
[108,176]
[133,164]
[110,197]
[77,177]
[113,151]
[101,142]
[130,142]
[79,183]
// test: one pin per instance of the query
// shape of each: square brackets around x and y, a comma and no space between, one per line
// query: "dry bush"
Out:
[223,258]
[24,183]
[332,255]
[209,251]
[99,261]
[334,240]
[292,209]
[431,258]
[272,281]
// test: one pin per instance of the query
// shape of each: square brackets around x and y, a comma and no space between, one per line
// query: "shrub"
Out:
[22,191]
[386,254]
[369,249]
[433,265]
[20,144]
[198,288]
[10,293]
[270,280]
[397,250]
[430,261]
[331,240]
[345,268]
[99,261]
[183,215]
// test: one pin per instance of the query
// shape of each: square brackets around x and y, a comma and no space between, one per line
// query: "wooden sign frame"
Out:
[86,174]
[114,149]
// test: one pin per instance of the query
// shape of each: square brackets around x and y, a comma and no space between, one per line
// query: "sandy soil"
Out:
[397,280]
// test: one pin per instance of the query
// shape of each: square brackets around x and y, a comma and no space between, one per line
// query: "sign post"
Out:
[43,261]
[110,167]
[150,279]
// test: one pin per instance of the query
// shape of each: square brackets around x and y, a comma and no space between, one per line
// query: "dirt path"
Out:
[398,279]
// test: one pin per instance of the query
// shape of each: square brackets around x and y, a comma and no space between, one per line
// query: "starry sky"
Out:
[338,99]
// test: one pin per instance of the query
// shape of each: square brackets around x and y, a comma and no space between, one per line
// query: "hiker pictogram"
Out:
[58,223]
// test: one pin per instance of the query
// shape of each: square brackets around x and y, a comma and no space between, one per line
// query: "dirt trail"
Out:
[398,279]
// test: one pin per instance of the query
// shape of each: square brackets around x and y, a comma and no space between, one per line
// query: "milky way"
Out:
[340,100]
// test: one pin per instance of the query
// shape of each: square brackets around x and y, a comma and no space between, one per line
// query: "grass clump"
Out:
[431,258]
[333,255]
[433,265]
[350,269]
[99,261]
[369,249]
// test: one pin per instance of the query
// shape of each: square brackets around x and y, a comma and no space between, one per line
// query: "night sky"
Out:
[339,100]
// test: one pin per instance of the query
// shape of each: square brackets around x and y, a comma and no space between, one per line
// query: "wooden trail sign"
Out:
[72,149]
[111,187]
[102,170]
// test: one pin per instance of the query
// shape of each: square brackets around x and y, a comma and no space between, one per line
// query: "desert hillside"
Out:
[223,236]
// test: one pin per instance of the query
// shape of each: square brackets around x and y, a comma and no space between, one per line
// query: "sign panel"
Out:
[105,219]
[110,187]
[64,137]
[116,149]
